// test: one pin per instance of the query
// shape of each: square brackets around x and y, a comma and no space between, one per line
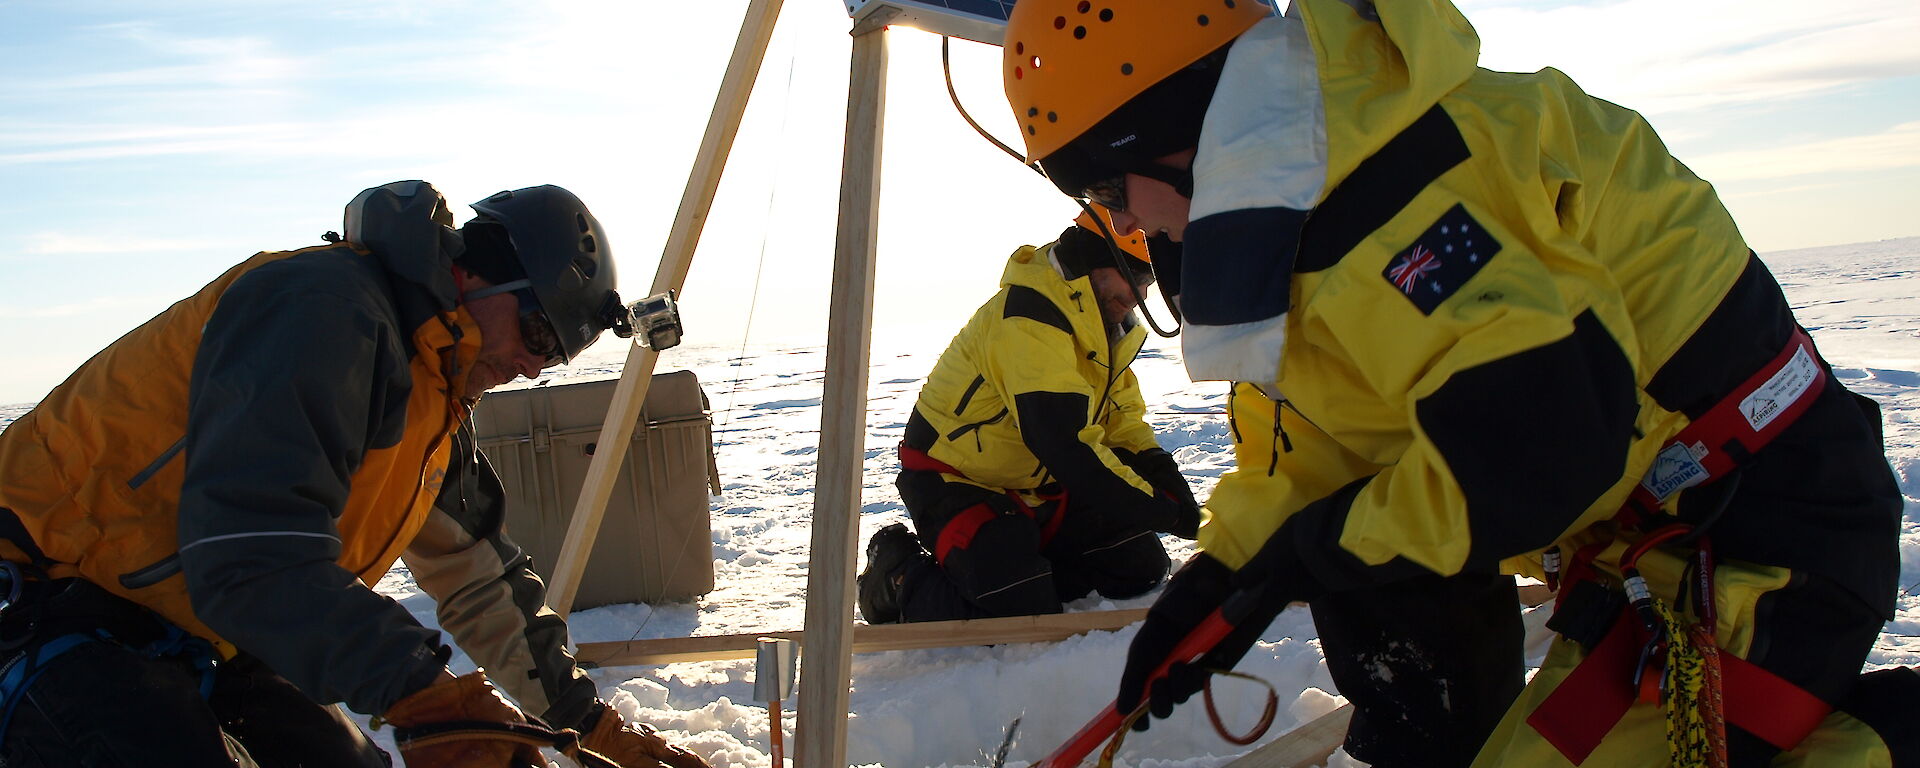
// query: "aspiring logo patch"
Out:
[1444,258]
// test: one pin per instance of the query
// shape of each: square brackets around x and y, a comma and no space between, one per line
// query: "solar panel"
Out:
[982,21]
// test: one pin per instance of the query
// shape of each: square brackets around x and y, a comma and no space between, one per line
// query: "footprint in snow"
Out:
[1896,378]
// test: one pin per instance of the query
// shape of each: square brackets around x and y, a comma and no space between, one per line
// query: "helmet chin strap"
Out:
[1126,272]
[495,290]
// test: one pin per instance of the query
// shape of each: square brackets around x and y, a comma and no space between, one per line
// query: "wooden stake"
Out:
[776,734]
[866,638]
[749,50]
[1304,746]
[820,737]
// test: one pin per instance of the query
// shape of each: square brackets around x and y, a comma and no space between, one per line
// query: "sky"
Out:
[146,147]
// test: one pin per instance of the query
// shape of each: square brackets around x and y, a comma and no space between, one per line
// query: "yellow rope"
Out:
[1685,678]
[1120,735]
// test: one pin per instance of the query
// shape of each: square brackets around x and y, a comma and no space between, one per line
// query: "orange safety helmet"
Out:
[1068,64]
[1132,243]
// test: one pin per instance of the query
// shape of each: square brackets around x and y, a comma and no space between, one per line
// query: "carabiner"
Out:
[10,571]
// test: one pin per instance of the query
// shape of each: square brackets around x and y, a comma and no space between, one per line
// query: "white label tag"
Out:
[1786,386]
[1675,468]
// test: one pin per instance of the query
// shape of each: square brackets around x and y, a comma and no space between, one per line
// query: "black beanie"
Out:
[1080,252]
[489,253]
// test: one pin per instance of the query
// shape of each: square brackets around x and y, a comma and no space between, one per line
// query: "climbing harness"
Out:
[1644,651]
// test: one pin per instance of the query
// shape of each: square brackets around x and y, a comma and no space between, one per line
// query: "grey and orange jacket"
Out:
[249,461]
[1035,390]
[1467,308]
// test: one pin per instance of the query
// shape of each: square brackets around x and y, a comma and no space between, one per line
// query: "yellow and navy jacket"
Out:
[1468,307]
[247,462]
[1034,389]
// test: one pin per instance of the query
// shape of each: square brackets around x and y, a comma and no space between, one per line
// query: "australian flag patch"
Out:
[1445,257]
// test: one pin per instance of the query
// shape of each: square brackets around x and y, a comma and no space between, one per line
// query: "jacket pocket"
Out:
[152,574]
[140,478]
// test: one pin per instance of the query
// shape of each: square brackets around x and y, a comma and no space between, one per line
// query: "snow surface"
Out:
[951,706]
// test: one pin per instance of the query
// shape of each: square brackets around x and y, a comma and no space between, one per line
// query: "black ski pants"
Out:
[1430,665]
[998,559]
[103,705]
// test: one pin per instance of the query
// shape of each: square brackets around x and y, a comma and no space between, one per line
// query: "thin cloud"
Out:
[193,61]
[103,306]
[1662,56]
[1897,147]
[67,244]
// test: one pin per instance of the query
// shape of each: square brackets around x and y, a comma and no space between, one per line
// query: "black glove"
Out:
[1249,600]
[1158,468]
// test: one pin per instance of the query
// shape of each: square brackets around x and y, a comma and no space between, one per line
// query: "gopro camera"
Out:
[657,317]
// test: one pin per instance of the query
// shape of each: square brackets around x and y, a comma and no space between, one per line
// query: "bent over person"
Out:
[1028,467]
[193,519]
[1481,318]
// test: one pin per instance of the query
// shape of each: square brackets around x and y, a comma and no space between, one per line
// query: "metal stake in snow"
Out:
[773,682]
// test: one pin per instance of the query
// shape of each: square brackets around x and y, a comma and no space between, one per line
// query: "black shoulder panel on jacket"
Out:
[1383,184]
[1535,437]
[1237,266]
[1030,304]
[1747,329]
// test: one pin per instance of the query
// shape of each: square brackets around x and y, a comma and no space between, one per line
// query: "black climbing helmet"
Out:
[564,254]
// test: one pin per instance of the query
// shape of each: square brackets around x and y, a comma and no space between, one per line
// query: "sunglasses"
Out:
[1112,191]
[536,331]
[1109,192]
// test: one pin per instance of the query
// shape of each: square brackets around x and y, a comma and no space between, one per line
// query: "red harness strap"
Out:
[1593,698]
[958,533]
[1748,418]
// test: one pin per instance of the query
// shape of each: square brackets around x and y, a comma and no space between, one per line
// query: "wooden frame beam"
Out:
[866,638]
[749,51]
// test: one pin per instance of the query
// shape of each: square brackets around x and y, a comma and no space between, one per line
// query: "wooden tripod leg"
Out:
[616,433]
[826,660]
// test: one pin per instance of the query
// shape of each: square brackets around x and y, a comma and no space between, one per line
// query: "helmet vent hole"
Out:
[1126,69]
[1019,73]
[1053,117]
[1019,48]
[1079,33]
[1230,3]
[1030,130]
[1203,19]
[584,268]
[1106,14]
[1033,111]
[1059,22]
[1035,62]
[1085,5]
[587,244]
[581,219]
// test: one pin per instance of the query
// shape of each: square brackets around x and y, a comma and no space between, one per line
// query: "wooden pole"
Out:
[749,50]
[820,737]
[866,638]
[1307,745]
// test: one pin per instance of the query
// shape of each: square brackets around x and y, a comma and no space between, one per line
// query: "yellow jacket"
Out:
[1504,298]
[1035,390]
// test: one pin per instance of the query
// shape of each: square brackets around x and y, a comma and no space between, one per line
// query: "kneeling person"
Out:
[1027,466]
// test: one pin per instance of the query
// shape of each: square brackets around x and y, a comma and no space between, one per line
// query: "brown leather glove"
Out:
[468,698]
[635,745]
